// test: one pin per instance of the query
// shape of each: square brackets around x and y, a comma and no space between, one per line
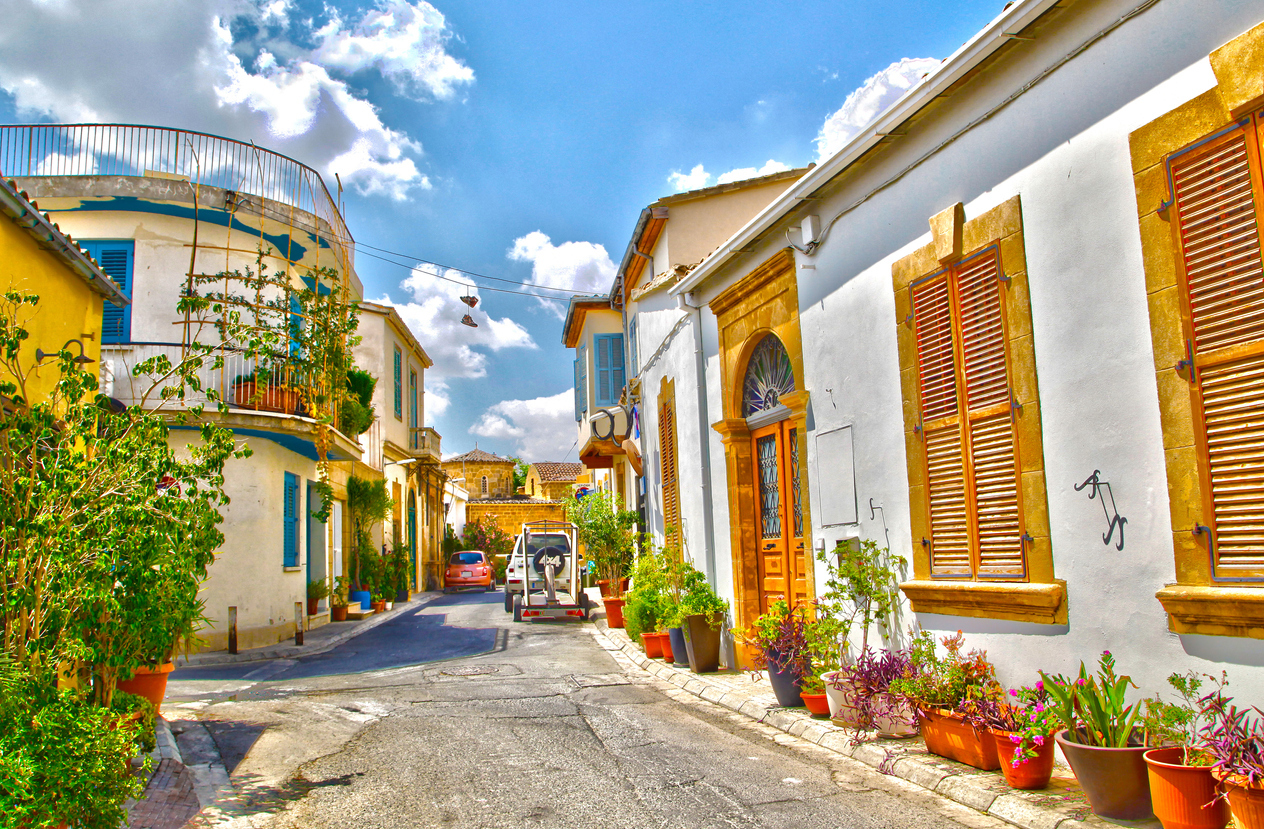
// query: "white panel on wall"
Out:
[835,479]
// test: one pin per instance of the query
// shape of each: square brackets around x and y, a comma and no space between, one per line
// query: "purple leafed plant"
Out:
[869,679]
[1234,738]
[779,637]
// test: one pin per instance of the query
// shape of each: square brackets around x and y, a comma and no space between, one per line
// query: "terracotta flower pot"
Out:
[1031,773]
[664,644]
[604,586]
[1184,797]
[338,613]
[1246,802]
[614,612]
[379,607]
[817,704]
[949,735]
[313,607]
[150,683]
[1114,780]
[702,642]
[653,647]
[270,398]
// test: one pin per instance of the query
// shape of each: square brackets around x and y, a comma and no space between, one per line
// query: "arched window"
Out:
[768,376]
[483,485]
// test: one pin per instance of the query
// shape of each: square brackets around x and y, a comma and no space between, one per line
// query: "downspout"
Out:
[704,433]
[642,489]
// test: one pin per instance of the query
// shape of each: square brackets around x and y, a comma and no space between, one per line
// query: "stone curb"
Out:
[963,788]
[279,651]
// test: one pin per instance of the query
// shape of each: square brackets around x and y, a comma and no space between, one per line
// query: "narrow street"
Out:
[514,725]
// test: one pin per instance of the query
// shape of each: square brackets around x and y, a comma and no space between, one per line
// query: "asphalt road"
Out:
[519,725]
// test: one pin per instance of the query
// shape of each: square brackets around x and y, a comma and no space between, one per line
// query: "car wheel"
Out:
[517,607]
[508,600]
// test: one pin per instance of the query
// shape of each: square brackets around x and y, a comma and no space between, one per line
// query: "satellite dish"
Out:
[470,300]
[468,320]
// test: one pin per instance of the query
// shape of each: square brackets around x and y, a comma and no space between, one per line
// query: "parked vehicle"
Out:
[545,570]
[469,568]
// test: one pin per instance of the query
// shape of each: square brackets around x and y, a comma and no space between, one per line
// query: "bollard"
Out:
[298,623]
[232,630]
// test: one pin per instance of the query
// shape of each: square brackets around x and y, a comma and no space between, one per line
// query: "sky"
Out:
[498,138]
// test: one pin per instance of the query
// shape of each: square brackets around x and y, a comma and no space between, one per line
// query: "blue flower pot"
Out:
[361,596]
[680,657]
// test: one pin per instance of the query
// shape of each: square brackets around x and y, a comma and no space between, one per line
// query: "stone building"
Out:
[483,474]
[552,481]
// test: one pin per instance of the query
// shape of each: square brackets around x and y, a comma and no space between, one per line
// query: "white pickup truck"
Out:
[544,577]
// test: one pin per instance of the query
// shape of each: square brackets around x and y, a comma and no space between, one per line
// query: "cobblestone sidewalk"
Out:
[1061,806]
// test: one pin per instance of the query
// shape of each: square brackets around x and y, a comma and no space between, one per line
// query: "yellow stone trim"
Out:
[1041,598]
[1214,611]
[1239,70]
[945,231]
[1015,601]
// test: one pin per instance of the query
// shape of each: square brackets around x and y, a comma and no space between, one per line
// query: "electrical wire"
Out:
[566,292]
[472,284]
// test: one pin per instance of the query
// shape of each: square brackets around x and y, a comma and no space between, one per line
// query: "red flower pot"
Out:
[1246,802]
[338,614]
[614,612]
[664,642]
[379,607]
[150,683]
[817,704]
[604,586]
[1184,797]
[949,735]
[653,646]
[1031,773]
[313,607]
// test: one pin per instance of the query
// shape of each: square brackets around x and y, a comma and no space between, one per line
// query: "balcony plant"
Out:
[357,414]
[936,687]
[1101,739]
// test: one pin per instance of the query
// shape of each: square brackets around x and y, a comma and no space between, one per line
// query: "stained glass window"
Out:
[769,486]
[795,488]
[768,376]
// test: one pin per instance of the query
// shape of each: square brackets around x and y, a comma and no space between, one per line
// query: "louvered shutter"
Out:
[616,368]
[399,385]
[602,364]
[1217,211]
[993,465]
[667,468]
[116,260]
[291,510]
[581,381]
[579,393]
[941,429]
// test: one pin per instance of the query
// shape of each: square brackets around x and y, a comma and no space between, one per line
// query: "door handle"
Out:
[770,545]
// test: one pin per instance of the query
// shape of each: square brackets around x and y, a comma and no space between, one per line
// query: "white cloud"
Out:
[868,101]
[743,173]
[695,179]
[581,267]
[246,69]
[542,429]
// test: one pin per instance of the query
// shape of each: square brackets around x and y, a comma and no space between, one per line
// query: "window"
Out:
[412,399]
[116,259]
[667,462]
[399,384]
[633,365]
[581,383]
[290,525]
[609,357]
[482,487]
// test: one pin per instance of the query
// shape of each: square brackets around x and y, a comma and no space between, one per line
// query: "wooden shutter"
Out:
[581,382]
[602,365]
[291,510]
[616,368]
[972,485]
[115,259]
[1216,190]
[667,468]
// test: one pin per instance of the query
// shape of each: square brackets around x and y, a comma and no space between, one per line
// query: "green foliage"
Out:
[368,504]
[1095,704]
[520,470]
[644,610]
[948,681]
[450,542]
[62,759]
[486,535]
[608,536]
[357,414]
[400,567]
[341,587]
[861,587]
[317,590]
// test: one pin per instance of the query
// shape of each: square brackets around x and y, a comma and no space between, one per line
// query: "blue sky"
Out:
[512,139]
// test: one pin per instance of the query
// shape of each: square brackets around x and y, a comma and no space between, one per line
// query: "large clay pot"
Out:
[817,704]
[786,686]
[1031,773]
[379,607]
[1114,780]
[313,607]
[604,586]
[150,683]
[614,612]
[363,597]
[702,642]
[900,723]
[664,645]
[949,735]
[679,650]
[1246,802]
[338,613]
[1184,797]
[653,647]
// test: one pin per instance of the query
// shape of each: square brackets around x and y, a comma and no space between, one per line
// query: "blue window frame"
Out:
[292,494]
[116,259]
[412,400]
[609,367]
[581,382]
[399,384]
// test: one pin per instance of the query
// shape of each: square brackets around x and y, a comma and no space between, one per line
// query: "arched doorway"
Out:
[779,525]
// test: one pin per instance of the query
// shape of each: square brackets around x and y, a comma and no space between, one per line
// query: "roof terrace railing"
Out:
[134,150]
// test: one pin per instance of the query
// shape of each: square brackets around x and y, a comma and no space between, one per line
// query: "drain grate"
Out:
[476,670]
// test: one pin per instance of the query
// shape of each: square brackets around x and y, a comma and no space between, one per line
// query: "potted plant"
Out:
[778,639]
[643,604]
[1101,739]
[703,613]
[1023,724]
[316,590]
[936,687]
[860,697]
[265,390]
[338,602]
[1184,791]
[1234,741]
[401,573]
[608,536]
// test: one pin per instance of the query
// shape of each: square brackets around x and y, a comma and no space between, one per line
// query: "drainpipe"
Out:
[642,490]
[704,433]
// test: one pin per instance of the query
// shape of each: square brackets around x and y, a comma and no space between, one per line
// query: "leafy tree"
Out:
[519,473]
[368,504]
[486,535]
[607,533]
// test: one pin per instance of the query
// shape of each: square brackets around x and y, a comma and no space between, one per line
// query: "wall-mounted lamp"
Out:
[41,354]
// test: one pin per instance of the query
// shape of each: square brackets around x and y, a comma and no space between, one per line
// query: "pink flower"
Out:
[1040,685]
[1081,682]
[1105,653]
[1038,740]
[1040,708]
[1012,692]
[1015,739]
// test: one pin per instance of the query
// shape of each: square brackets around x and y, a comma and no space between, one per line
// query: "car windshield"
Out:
[467,558]
[537,542]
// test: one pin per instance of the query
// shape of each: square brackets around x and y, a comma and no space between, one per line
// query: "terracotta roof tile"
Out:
[552,471]
[479,456]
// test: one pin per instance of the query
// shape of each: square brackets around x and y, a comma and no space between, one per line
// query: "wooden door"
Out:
[780,546]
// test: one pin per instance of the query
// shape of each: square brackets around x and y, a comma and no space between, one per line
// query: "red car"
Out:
[468,569]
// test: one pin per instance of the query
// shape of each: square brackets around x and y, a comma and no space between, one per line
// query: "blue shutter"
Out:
[291,520]
[581,382]
[412,399]
[399,385]
[633,366]
[609,368]
[579,392]
[116,259]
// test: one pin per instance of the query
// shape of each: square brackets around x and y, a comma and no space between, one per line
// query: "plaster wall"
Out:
[1063,148]
[698,226]
[376,354]
[602,321]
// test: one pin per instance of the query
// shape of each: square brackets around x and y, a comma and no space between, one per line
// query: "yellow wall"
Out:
[511,516]
[499,478]
[68,310]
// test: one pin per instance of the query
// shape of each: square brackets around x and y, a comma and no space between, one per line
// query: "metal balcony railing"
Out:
[137,150]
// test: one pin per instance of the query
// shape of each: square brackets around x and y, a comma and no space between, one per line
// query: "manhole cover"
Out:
[476,670]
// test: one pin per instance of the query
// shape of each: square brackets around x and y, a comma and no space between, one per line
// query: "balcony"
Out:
[261,400]
[423,442]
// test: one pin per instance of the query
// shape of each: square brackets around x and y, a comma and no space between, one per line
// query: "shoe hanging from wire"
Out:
[470,300]
[468,320]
